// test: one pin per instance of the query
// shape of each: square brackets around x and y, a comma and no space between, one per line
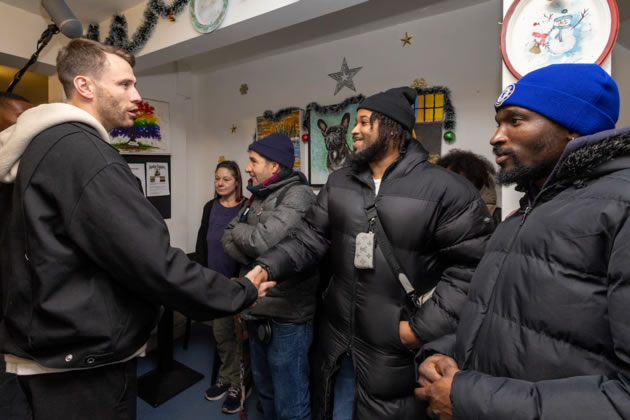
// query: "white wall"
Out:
[620,65]
[458,50]
[173,85]
[20,32]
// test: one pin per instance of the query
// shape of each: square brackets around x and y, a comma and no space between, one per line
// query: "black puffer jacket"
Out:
[276,210]
[546,331]
[86,259]
[438,227]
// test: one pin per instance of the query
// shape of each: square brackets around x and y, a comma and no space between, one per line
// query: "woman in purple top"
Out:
[217,214]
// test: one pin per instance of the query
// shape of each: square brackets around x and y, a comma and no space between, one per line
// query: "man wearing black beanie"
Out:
[436,225]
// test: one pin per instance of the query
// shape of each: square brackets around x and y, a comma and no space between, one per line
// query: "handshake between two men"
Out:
[260,279]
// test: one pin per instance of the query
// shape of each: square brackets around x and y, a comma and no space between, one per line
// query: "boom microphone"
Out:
[63,18]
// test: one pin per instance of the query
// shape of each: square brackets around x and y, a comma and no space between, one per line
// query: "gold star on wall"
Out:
[234,128]
[406,40]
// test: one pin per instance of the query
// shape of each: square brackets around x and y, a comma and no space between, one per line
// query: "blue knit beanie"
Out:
[580,97]
[276,147]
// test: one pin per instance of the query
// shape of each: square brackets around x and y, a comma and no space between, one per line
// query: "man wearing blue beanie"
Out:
[545,332]
[280,326]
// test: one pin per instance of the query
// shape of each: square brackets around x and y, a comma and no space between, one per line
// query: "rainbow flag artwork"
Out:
[146,134]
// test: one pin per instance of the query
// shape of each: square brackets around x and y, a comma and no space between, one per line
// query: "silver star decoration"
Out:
[344,77]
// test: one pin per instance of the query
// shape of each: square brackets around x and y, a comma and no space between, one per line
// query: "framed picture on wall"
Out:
[537,33]
[287,123]
[330,138]
[149,133]
[207,15]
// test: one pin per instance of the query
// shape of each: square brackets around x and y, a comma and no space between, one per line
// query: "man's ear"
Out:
[275,167]
[84,86]
[573,135]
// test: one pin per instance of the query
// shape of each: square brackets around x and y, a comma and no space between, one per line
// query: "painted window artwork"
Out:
[149,133]
[429,108]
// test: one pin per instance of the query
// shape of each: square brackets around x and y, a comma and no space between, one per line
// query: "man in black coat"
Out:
[86,260]
[545,332]
[437,226]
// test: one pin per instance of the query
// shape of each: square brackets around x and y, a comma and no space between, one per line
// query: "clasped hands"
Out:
[435,380]
[260,279]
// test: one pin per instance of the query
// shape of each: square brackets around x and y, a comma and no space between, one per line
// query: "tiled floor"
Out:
[190,404]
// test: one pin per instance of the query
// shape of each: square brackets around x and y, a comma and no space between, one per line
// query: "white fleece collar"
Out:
[15,139]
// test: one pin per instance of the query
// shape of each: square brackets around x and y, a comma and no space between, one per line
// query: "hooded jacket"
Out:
[86,259]
[437,226]
[276,211]
[545,331]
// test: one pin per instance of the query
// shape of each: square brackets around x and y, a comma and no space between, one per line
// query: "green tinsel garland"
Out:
[449,111]
[118,28]
[271,116]
[325,109]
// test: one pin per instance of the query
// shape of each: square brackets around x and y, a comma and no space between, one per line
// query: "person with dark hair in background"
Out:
[478,170]
[11,107]
[13,405]
[217,214]
[373,316]
[544,333]
[280,326]
[86,260]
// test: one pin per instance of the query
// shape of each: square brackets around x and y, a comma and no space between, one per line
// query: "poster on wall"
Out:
[429,110]
[157,179]
[330,138]
[286,123]
[138,170]
[149,133]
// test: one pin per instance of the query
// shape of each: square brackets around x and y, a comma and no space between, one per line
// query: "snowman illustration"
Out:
[561,38]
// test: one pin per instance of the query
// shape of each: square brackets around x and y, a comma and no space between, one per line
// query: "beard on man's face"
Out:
[520,174]
[372,153]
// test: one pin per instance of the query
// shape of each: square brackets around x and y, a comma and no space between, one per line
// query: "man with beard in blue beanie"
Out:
[545,332]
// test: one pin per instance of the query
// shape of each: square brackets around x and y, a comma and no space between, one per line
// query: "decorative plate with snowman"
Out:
[537,33]
[207,15]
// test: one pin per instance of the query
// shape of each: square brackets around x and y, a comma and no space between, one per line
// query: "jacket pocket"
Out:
[379,326]
[390,375]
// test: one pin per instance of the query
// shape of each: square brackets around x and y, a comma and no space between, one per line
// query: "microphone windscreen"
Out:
[63,18]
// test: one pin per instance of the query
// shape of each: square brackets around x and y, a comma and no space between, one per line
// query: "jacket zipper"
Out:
[530,207]
[528,210]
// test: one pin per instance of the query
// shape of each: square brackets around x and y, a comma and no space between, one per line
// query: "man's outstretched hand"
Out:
[436,375]
[260,279]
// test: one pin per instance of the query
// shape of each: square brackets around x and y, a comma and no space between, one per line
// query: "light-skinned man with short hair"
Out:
[280,326]
[545,332]
[86,260]
[436,225]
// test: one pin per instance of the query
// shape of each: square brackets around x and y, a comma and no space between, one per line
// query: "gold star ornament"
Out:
[406,40]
